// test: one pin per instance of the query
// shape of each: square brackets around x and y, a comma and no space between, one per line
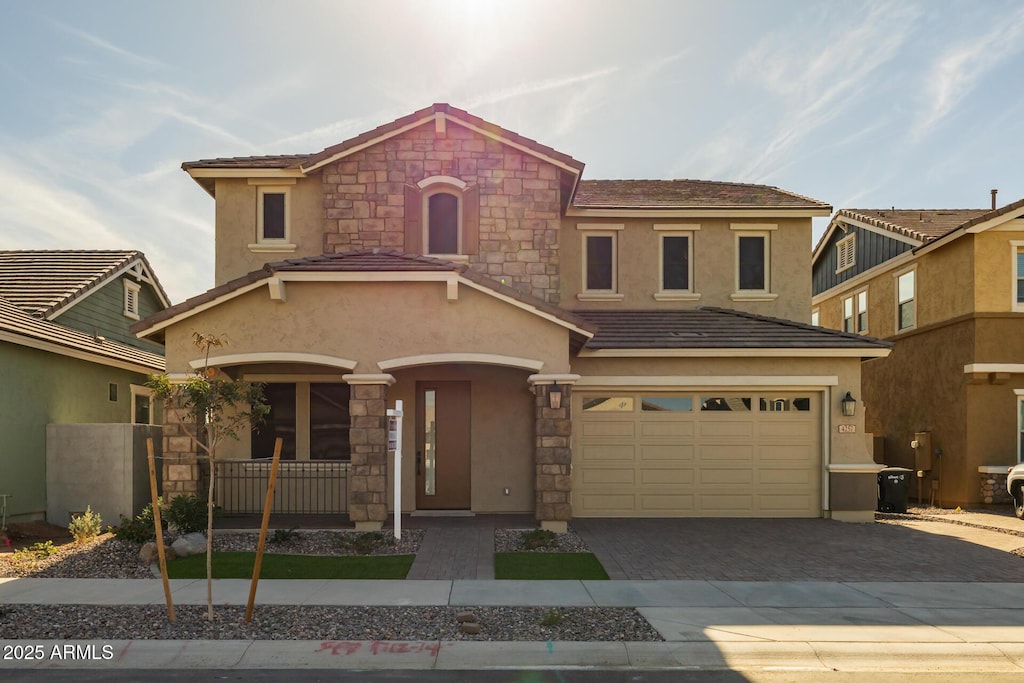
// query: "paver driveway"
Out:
[792,550]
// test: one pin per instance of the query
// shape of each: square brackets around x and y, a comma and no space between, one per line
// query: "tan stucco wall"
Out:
[371,322]
[236,225]
[502,435]
[714,265]
[994,286]
[844,448]
[945,286]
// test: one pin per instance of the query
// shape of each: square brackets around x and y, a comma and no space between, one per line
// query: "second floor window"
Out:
[443,223]
[848,314]
[1018,276]
[906,294]
[675,262]
[855,312]
[600,264]
[272,221]
[752,256]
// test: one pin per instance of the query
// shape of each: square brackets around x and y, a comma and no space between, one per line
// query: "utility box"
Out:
[923,451]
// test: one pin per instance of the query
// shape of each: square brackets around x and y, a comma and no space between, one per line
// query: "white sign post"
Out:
[395,444]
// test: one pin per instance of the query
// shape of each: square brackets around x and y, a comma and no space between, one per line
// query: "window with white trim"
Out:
[442,221]
[906,301]
[815,317]
[1018,275]
[273,227]
[132,292]
[599,251]
[752,262]
[142,405]
[848,314]
[855,312]
[846,253]
[862,311]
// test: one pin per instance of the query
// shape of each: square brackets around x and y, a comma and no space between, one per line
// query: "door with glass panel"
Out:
[442,445]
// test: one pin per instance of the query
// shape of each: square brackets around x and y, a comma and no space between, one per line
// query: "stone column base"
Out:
[553,526]
[369,527]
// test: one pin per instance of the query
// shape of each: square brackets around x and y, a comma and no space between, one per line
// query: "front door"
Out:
[442,445]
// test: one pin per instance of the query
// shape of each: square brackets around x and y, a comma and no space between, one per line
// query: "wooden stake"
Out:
[159,530]
[263,528]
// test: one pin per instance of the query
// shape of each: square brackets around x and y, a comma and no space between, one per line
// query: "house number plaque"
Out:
[847,429]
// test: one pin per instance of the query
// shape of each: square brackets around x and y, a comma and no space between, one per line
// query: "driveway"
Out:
[800,550]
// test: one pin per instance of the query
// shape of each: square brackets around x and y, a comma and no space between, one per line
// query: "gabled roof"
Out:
[203,169]
[620,194]
[19,327]
[361,261]
[43,283]
[716,328]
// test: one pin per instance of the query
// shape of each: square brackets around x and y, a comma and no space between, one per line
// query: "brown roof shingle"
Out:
[617,194]
[920,224]
[713,328]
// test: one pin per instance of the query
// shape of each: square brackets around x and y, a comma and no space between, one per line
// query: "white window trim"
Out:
[688,231]
[132,292]
[851,300]
[816,316]
[139,390]
[752,294]
[442,185]
[600,294]
[263,244]
[1015,246]
[857,311]
[846,253]
[896,288]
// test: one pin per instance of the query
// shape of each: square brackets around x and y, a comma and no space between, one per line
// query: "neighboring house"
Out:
[563,347]
[947,287]
[67,356]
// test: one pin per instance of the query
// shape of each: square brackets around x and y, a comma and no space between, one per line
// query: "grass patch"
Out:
[238,565]
[540,566]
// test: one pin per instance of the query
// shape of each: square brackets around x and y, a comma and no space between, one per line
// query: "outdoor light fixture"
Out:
[555,396]
[849,405]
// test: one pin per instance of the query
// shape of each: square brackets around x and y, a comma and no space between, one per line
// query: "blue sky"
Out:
[860,104]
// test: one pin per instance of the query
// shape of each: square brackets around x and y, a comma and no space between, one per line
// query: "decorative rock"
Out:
[464,617]
[189,544]
[470,628]
[148,552]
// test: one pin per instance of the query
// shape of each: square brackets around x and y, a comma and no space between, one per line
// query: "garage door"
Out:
[702,454]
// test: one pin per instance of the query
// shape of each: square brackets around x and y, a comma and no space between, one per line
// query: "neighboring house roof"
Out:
[43,283]
[716,328]
[361,261]
[19,327]
[620,194]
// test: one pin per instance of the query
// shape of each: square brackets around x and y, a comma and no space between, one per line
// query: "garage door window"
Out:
[721,403]
[779,405]
[613,404]
[675,404]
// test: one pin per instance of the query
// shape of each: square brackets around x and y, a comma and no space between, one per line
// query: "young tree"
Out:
[216,407]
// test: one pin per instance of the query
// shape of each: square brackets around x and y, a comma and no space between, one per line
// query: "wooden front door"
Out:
[442,445]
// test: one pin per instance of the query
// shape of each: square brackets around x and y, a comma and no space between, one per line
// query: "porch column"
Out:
[181,472]
[553,451]
[368,475]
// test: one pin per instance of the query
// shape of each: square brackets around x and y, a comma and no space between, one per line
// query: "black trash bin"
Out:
[892,489]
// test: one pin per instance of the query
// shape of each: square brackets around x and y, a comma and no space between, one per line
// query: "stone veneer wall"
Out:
[182,474]
[993,488]
[553,484]
[364,202]
[368,473]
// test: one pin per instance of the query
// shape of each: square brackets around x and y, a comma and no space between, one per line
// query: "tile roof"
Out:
[713,328]
[592,194]
[366,260]
[17,322]
[40,282]
[263,161]
[919,224]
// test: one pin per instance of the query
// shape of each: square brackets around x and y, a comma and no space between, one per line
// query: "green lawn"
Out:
[238,565]
[547,566]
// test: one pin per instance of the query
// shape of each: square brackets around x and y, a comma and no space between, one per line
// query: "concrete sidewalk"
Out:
[849,626]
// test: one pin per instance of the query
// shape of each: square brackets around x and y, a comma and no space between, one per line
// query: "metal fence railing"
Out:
[303,487]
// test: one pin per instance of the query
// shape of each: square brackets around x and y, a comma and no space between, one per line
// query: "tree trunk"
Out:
[209,544]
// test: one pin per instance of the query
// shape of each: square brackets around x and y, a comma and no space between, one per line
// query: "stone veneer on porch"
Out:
[368,475]
[553,481]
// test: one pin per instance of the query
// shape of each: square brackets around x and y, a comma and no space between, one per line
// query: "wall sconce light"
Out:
[555,396]
[849,404]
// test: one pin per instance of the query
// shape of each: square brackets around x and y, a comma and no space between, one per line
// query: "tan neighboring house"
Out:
[563,347]
[947,288]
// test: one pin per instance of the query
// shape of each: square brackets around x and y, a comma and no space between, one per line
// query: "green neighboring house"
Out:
[67,356]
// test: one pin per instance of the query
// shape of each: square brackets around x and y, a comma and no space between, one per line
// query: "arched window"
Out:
[443,223]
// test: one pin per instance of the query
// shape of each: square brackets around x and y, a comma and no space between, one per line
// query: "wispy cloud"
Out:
[535,87]
[204,126]
[109,47]
[959,69]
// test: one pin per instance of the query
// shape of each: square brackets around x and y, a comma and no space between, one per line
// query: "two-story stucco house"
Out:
[561,346]
[946,286]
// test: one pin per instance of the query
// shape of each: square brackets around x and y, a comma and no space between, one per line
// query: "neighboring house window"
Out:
[443,223]
[752,262]
[815,318]
[848,314]
[906,301]
[862,311]
[846,253]
[1018,275]
[131,299]
[142,405]
[675,271]
[600,262]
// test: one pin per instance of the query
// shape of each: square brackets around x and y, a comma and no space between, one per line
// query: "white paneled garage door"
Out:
[697,454]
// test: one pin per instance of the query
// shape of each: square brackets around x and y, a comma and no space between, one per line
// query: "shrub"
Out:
[140,529]
[187,514]
[553,617]
[539,538]
[86,526]
[364,543]
[282,535]
[36,551]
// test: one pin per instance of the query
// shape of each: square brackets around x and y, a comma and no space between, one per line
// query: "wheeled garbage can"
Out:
[892,489]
